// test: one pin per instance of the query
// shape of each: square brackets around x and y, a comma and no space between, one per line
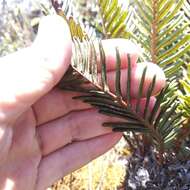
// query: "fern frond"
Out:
[184,107]
[113,19]
[114,103]
[163,32]
[162,123]
[185,94]
[186,9]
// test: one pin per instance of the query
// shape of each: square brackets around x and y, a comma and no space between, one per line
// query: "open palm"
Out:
[44,133]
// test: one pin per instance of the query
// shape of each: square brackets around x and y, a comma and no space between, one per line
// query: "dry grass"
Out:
[104,173]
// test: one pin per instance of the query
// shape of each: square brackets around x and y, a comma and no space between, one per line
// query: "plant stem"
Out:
[161,153]
[154,32]
[132,147]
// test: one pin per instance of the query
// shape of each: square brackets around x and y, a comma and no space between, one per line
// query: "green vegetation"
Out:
[162,31]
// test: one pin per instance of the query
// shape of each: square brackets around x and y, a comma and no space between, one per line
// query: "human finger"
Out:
[59,103]
[27,75]
[142,105]
[72,157]
[76,126]
[136,77]
[56,103]
[79,126]
[126,48]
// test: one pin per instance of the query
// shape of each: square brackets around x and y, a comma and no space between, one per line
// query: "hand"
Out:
[44,133]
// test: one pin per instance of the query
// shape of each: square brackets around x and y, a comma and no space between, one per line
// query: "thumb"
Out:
[52,47]
[27,75]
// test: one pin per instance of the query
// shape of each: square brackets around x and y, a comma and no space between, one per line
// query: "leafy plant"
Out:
[113,19]
[185,96]
[163,32]
[161,28]
[163,125]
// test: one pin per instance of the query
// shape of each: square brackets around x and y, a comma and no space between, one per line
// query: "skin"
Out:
[44,133]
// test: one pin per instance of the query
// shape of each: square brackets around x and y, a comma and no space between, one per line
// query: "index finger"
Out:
[58,103]
[126,47]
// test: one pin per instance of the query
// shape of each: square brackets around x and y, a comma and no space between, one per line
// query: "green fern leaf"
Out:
[116,105]
[113,19]
[82,76]
[185,95]
[163,32]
